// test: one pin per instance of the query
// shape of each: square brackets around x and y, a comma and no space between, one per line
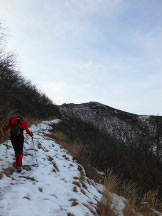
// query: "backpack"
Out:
[15,130]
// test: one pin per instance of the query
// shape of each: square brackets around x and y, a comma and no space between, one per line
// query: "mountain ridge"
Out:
[128,128]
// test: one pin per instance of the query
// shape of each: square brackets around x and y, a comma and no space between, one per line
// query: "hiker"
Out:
[17,125]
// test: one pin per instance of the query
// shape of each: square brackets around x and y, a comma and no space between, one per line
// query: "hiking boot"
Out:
[18,169]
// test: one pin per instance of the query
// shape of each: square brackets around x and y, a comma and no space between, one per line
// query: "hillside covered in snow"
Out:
[51,183]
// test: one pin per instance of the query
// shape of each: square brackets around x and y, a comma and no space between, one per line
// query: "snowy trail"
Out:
[53,188]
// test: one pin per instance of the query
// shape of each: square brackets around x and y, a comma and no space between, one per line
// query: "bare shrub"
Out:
[151,199]
[111,181]
[104,205]
[129,190]
[18,94]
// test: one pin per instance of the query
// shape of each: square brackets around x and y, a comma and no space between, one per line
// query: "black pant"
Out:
[18,143]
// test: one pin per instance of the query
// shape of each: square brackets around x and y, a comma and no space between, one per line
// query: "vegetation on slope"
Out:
[104,152]
[18,95]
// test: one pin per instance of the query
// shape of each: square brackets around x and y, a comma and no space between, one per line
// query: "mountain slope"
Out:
[52,188]
[130,129]
[57,186]
[129,144]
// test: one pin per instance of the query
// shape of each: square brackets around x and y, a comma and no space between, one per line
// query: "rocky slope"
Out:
[130,129]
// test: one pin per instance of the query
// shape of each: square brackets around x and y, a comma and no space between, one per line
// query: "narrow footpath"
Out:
[53,188]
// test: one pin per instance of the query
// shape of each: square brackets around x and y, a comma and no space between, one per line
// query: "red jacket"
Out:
[22,126]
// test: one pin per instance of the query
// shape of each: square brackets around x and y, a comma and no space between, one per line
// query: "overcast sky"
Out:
[108,51]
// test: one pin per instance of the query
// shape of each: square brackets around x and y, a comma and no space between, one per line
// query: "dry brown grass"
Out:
[55,166]
[146,211]
[84,185]
[76,177]
[39,146]
[75,189]
[1,175]
[111,182]
[76,183]
[82,176]
[90,171]
[90,209]
[149,214]
[36,121]
[8,171]
[83,192]
[42,147]
[152,198]
[80,168]
[3,137]
[128,211]
[40,189]
[59,137]
[104,205]
[50,158]
[150,201]
[130,191]
[74,203]
[72,199]
[79,153]
[70,214]
[31,121]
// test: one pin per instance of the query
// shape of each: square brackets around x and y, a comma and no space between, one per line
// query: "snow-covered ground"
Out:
[47,189]
[53,188]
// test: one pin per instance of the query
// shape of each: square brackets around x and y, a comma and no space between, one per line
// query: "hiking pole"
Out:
[35,152]
[6,151]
